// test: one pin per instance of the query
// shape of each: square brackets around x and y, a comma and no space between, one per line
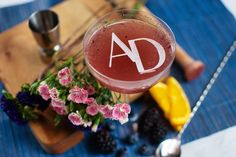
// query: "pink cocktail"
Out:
[128,54]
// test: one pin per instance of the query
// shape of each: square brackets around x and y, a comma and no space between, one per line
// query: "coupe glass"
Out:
[128,51]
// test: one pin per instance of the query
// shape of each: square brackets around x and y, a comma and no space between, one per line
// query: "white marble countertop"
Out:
[220,144]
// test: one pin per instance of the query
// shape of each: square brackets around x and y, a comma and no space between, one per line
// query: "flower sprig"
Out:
[71,92]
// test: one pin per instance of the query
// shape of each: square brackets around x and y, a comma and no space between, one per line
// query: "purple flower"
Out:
[42,104]
[25,98]
[10,108]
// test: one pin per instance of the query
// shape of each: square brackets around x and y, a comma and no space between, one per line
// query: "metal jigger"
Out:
[172,147]
[44,25]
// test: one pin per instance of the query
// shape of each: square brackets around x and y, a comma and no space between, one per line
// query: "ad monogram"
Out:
[133,53]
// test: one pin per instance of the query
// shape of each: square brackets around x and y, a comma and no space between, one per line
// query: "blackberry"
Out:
[144,150]
[148,120]
[153,124]
[103,142]
[121,152]
[158,133]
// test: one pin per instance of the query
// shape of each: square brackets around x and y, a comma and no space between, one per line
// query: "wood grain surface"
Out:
[21,62]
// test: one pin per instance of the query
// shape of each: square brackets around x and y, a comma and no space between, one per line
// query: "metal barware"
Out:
[44,25]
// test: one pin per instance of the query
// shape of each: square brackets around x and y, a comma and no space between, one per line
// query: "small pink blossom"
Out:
[120,112]
[59,107]
[90,101]
[78,95]
[90,89]
[57,102]
[43,90]
[54,93]
[106,111]
[61,110]
[65,76]
[75,119]
[92,110]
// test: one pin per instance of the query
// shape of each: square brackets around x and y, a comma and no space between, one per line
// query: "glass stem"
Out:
[126,98]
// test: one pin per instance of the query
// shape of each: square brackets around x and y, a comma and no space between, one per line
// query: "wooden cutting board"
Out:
[20,62]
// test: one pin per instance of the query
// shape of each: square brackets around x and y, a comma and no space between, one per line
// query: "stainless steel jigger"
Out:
[172,147]
[44,25]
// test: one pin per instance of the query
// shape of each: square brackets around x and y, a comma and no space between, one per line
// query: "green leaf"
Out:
[57,120]
[7,95]
[25,87]
[27,112]
[71,107]
[34,87]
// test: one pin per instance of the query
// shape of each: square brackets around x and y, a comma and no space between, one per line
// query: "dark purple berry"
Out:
[153,124]
[157,134]
[103,142]
[144,150]
[121,152]
[148,119]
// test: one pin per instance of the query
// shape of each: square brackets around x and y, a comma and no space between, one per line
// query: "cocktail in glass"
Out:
[128,51]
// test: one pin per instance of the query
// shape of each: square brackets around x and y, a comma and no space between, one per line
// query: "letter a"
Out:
[127,51]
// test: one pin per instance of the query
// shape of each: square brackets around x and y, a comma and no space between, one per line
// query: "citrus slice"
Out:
[177,127]
[180,108]
[159,92]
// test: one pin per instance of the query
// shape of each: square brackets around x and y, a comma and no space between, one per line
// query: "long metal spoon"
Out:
[172,147]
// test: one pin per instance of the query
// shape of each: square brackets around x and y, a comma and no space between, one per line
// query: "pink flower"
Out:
[90,89]
[59,106]
[65,76]
[75,119]
[78,95]
[61,110]
[53,93]
[57,102]
[43,90]
[90,101]
[92,110]
[106,111]
[120,112]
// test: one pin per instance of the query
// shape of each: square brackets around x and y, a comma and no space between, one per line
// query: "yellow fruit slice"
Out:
[177,127]
[159,92]
[180,108]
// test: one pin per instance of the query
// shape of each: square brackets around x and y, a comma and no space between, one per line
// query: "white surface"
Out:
[220,144]
[231,5]
[7,3]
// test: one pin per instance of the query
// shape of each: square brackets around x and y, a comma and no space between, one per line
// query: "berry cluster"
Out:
[103,142]
[153,124]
